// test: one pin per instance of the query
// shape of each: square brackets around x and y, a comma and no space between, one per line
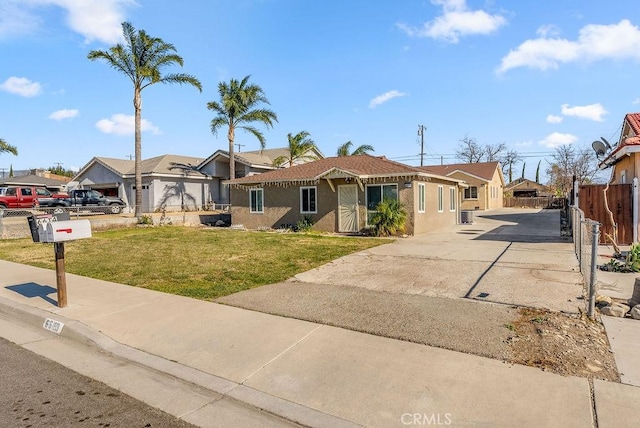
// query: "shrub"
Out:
[305,224]
[389,218]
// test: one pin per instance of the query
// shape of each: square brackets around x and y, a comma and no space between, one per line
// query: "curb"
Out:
[81,333]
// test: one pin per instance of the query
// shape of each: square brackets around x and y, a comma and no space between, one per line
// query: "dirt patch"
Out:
[553,341]
[570,345]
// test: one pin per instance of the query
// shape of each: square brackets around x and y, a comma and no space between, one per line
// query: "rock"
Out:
[636,291]
[593,368]
[615,310]
[635,312]
[603,300]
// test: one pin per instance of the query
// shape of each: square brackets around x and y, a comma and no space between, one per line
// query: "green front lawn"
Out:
[194,262]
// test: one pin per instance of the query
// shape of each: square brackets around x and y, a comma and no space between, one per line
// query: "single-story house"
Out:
[485,180]
[525,188]
[340,194]
[624,156]
[38,177]
[175,182]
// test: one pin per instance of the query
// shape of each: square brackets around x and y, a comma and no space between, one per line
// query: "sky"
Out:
[532,75]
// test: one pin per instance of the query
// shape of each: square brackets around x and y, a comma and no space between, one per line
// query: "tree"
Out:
[523,167]
[59,170]
[299,146]
[508,160]
[469,151]
[142,58]
[345,149]
[493,152]
[11,171]
[569,162]
[7,148]
[538,172]
[238,107]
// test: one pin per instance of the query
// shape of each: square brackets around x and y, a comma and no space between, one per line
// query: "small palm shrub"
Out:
[389,218]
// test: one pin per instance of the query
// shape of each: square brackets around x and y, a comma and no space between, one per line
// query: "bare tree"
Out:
[569,161]
[508,160]
[469,151]
[493,152]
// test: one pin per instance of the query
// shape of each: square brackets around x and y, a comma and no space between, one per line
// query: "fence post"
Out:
[595,232]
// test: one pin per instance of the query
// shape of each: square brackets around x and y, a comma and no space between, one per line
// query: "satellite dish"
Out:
[599,148]
[606,142]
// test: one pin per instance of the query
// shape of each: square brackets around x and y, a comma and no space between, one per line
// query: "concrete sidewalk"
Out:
[312,374]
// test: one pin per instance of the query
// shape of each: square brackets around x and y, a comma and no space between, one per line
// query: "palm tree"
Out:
[299,145]
[238,108]
[344,150]
[142,58]
[7,148]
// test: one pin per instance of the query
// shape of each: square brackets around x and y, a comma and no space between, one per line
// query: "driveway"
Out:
[509,256]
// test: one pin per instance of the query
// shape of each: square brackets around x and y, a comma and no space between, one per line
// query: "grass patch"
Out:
[200,263]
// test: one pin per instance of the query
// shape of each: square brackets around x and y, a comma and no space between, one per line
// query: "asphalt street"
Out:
[35,391]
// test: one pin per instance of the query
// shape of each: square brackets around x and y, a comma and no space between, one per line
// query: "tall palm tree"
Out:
[7,148]
[238,108]
[345,149]
[142,58]
[299,145]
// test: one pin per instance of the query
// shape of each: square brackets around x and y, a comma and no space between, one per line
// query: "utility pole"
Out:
[238,145]
[421,129]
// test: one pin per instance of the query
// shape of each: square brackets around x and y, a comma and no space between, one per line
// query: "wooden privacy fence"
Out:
[535,202]
[620,198]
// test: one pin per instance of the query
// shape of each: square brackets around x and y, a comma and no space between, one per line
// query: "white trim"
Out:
[452,199]
[440,198]
[251,210]
[315,201]
[422,195]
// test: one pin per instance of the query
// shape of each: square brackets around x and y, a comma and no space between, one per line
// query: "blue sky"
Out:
[530,74]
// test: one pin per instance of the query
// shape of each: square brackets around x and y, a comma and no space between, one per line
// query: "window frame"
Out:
[440,198]
[470,198]
[315,199]
[256,191]
[453,203]
[422,193]
[381,186]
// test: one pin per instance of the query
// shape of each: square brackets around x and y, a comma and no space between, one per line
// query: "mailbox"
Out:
[70,230]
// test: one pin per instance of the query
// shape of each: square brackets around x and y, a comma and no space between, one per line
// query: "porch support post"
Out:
[333,189]
[360,184]
[635,209]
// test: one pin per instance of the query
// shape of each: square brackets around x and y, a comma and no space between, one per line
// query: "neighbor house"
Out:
[485,180]
[624,156]
[525,188]
[340,194]
[175,182]
[38,177]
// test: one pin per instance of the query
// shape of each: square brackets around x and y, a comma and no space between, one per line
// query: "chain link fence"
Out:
[14,223]
[585,234]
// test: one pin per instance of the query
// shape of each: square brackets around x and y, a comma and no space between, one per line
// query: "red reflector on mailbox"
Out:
[70,230]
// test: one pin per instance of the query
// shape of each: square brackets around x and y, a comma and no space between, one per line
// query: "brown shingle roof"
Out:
[361,166]
[483,170]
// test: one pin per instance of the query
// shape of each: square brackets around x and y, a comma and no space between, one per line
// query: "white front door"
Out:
[348,208]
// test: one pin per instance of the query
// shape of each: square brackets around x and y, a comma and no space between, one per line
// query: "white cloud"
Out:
[554,119]
[548,31]
[381,99]
[94,19]
[21,86]
[16,19]
[63,114]
[121,124]
[636,101]
[592,111]
[456,21]
[595,42]
[557,139]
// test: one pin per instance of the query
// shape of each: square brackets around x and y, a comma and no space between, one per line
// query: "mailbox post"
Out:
[49,228]
[61,277]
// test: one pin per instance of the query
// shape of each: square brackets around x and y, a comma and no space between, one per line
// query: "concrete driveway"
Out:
[509,256]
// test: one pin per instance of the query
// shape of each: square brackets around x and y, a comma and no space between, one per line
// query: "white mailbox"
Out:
[70,230]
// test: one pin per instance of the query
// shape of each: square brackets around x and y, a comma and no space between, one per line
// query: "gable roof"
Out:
[256,159]
[152,166]
[481,170]
[629,143]
[524,183]
[363,167]
[33,180]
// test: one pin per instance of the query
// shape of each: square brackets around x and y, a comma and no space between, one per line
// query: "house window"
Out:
[623,177]
[421,195]
[452,199]
[440,199]
[308,200]
[471,192]
[256,200]
[378,193]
